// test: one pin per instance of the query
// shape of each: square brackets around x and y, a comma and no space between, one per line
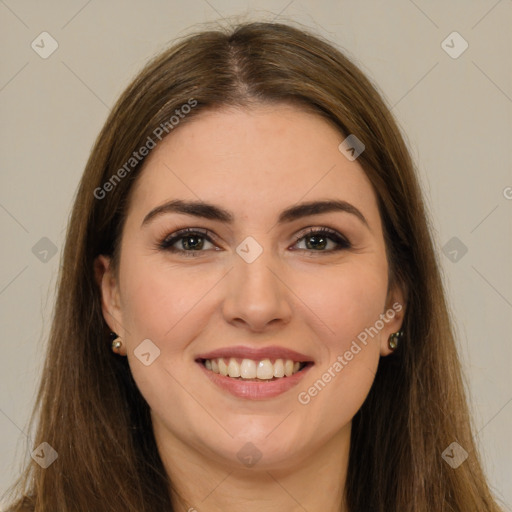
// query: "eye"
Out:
[192,240]
[318,238]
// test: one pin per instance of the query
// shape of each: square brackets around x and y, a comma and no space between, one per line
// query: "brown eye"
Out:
[191,240]
[317,240]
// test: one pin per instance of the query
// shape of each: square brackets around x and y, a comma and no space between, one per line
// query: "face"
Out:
[249,288]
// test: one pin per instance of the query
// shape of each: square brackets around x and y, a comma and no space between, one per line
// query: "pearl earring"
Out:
[117,343]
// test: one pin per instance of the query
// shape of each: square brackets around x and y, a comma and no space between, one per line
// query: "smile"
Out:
[254,373]
[253,370]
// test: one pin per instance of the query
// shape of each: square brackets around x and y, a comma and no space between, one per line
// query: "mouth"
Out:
[252,370]
[255,374]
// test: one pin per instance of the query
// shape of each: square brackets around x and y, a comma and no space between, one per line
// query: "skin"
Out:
[255,163]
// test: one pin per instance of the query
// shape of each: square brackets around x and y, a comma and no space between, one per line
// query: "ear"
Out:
[110,298]
[393,316]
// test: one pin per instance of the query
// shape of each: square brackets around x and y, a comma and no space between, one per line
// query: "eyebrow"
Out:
[213,212]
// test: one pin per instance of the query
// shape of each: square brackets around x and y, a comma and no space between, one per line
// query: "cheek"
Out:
[347,299]
[157,299]
[350,307]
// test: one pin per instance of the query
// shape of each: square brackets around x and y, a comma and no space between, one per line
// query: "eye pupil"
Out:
[187,245]
[321,245]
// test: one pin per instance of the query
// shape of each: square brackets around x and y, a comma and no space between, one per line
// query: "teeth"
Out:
[265,370]
[288,367]
[233,368]
[279,368]
[250,369]
[223,367]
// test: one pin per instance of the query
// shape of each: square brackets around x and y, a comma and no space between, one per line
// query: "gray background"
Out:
[456,113]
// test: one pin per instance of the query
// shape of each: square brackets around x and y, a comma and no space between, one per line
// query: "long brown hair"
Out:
[91,411]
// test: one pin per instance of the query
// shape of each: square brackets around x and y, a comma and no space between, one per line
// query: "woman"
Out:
[250,231]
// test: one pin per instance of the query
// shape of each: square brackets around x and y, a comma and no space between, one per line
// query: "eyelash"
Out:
[167,243]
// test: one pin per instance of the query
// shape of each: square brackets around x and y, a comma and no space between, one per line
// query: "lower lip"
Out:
[252,390]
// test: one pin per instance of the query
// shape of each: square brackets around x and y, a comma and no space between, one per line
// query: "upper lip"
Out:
[257,354]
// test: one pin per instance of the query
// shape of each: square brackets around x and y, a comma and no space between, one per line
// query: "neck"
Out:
[203,484]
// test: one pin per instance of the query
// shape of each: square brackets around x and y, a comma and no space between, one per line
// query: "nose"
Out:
[256,294]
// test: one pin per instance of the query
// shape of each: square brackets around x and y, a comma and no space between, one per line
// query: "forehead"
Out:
[255,162]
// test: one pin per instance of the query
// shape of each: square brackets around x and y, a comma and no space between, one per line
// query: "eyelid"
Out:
[320,229]
[343,243]
[182,232]
[169,240]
